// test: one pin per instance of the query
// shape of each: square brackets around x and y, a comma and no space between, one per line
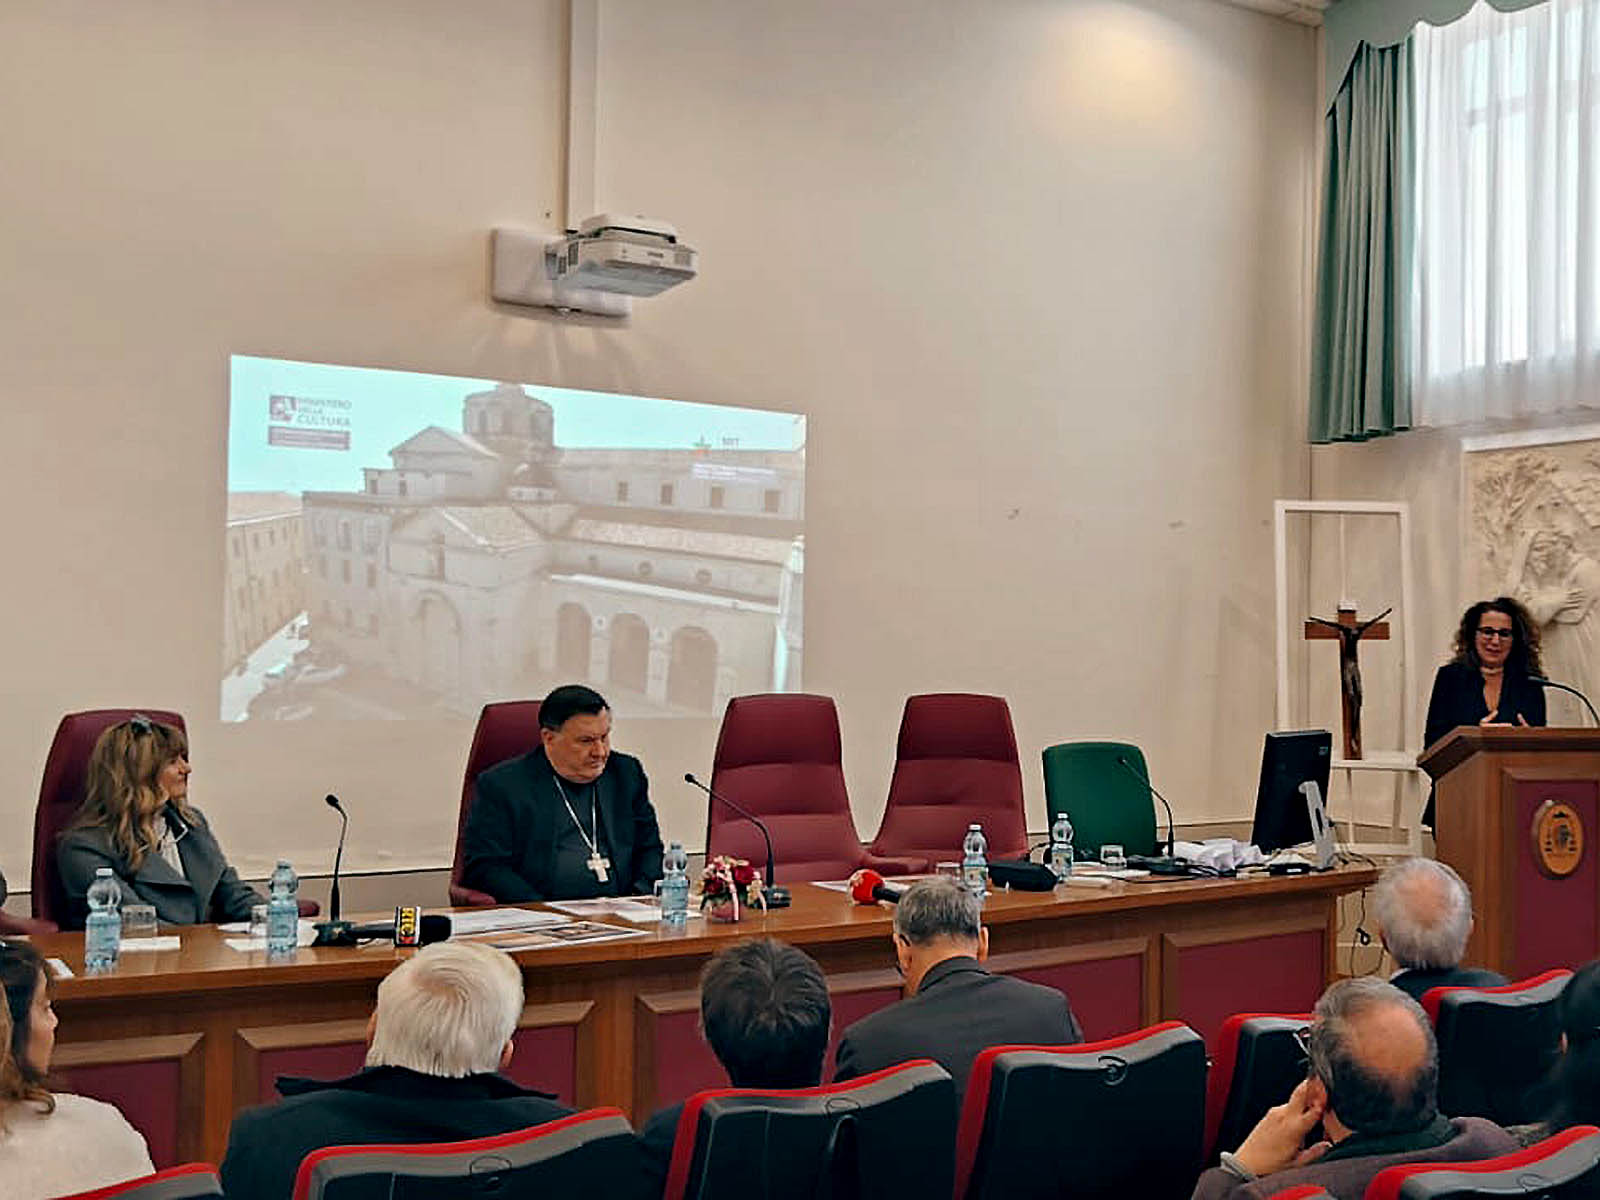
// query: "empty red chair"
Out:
[505,730]
[1496,1045]
[955,763]
[778,755]
[1565,1165]
[61,795]
[193,1181]
[1258,1062]
[886,1134]
[590,1154]
[1119,1118]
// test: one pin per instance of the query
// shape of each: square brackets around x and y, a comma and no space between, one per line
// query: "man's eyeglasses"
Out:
[1302,1039]
[1504,635]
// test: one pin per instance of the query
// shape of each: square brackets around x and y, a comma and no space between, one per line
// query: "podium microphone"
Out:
[1562,687]
[867,887]
[1169,863]
[333,931]
[775,896]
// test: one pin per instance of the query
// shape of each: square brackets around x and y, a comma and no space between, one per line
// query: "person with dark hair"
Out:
[1573,1089]
[51,1144]
[765,1013]
[1368,1102]
[954,1008]
[569,820]
[1488,681]
[136,819]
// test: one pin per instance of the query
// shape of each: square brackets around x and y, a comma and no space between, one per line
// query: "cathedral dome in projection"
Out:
[508,410]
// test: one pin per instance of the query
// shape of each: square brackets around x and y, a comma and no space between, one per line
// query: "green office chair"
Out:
[1105,801]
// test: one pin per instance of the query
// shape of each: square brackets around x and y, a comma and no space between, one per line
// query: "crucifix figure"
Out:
[1349,631]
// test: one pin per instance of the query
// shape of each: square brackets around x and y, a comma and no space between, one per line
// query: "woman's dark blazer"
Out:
[1458,700]
[208,890]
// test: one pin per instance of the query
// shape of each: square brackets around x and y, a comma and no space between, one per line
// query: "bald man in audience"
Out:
[1424,912]
[1368,1102]
[436,1046]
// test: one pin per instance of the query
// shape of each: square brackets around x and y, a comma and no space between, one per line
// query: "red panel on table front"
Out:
[1279,973]
[1558,920]
[332,1061]
[1106,994]
[145,1092]
[684,1063]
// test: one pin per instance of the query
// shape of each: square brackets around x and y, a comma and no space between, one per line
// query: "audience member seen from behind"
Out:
[50,1144]
[1424,912]
[764,1011]
[137,820]
[1573,1091]
[436,1044]
[1488,681]
[1371,1088]
[954,1008]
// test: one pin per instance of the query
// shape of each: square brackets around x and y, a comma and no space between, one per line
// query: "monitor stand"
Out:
[1324,849]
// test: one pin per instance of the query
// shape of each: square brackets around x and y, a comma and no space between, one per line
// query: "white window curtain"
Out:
[1508,217]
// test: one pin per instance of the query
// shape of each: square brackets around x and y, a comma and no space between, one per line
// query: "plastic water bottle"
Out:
[675,885]
[102,932]
[283,911]
[975,861]
[1061,847]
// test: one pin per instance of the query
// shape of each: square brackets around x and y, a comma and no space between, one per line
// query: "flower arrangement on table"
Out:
[729,885]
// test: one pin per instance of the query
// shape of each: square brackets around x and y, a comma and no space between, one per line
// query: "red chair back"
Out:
[1496,1045]
[1256,1065]
[956,763]
[778,755]
[589,1154]
[61,795]
[1047,1121]
[1305,1191]
[192,1181]
[505,730]
[849,1139]
[1567,1164]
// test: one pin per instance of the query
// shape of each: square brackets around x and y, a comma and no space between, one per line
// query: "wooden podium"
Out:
[1518,815]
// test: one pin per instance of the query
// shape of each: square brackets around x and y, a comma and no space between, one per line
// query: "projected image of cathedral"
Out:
[491,563]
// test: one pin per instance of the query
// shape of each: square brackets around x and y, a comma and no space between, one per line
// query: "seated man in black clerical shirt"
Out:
[570,820]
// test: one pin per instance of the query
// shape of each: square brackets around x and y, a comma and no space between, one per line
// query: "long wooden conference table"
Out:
[181,1039]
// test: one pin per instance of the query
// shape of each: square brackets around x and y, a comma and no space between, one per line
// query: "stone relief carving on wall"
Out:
[1533,531]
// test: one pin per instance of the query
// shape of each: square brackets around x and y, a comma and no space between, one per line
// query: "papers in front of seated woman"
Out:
[501,920]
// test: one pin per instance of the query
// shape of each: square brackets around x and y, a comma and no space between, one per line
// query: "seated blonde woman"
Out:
[137,820]
[50,1145]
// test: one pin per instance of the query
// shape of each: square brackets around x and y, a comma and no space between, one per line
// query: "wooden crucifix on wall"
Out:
[1349,631]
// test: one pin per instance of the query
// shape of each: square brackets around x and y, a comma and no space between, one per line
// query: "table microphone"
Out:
[1562,687]
[333,931]
[867,886]
[409,926]
[775,896]
[1167,864]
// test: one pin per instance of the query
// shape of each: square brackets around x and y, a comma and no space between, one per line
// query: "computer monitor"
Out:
[1289,759]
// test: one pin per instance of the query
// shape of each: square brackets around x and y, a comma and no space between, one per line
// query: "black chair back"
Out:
[1496,1046]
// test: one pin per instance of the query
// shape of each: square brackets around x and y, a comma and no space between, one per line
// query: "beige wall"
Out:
[1034,271]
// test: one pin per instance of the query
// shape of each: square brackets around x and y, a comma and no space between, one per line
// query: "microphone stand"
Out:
[1561,687]
[1169,864]
[333,931]
[775,896]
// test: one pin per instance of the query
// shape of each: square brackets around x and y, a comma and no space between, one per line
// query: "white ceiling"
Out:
[1306,12]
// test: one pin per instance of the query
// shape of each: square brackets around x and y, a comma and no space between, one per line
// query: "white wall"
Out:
[1033,269]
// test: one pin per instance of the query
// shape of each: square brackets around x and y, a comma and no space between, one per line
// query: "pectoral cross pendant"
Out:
[599,864]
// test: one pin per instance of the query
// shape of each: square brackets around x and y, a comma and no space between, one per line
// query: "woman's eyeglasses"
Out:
[1504,635]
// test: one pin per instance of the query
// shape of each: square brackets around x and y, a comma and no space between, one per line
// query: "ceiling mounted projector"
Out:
[597,269]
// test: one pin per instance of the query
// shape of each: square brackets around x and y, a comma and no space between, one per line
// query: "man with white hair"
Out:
[436,1044]
[1424,912]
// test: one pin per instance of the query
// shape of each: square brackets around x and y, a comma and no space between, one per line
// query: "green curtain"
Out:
[1361,340]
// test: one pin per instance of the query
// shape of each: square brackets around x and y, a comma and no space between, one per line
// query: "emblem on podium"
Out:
[1557,839]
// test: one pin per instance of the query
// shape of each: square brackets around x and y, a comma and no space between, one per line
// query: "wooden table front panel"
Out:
[180,1040]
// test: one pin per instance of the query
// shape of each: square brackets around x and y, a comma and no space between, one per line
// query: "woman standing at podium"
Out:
[1487,682]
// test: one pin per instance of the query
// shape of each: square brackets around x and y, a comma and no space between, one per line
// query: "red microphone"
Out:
[867,887]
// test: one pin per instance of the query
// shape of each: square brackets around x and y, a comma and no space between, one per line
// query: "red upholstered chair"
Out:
[61,795]
[885,1134]
[778,755]
[505,730]
[590,1154]
[193,1181]
[1496,1044]
[1258,1062]
[956,763]
[1040,1122]
[1306,1191]
[1565,1165]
